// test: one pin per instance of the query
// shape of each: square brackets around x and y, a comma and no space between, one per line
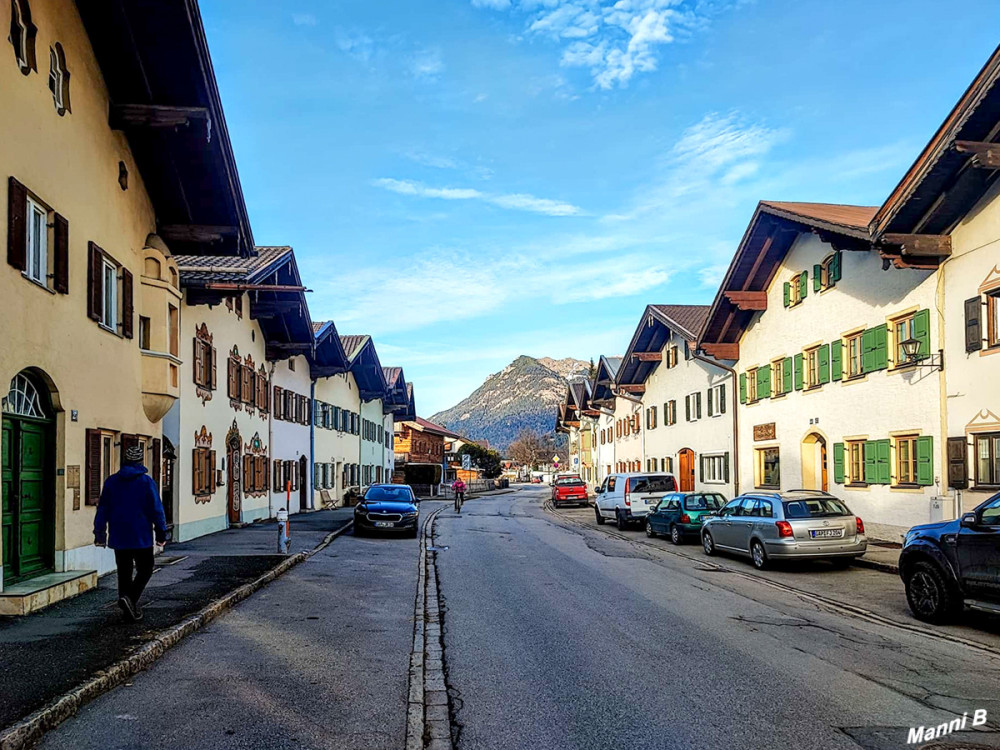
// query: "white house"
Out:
[602,400]
[829,397]
[291,434]
[369,378]
[688,407]
[336,447]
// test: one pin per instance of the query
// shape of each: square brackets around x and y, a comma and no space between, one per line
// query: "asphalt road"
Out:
[557,634]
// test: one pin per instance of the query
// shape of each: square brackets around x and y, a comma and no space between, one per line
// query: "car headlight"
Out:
[410,514]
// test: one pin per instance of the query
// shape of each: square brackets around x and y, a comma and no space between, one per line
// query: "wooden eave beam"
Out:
[125,116]
[632,388]
[747,300]
[984,155]
[721,351]
[200,233]
[235,286]
[648,356]
[921,245]
[289,346]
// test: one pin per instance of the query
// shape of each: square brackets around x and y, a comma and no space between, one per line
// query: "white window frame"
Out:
[21,49]
[715,468]
[37,243]
[109,310]
[56,78]
[692,402]
[108,454]
[717,399]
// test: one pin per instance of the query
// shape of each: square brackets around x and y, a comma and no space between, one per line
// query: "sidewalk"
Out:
[50,652]
[881,557]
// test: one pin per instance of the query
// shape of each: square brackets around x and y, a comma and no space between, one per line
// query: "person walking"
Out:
[130,509]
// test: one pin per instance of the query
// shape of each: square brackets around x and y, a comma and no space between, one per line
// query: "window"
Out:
[906,460]
[767,469]
[692,407]
[715,469]
[717,400]
[59,79]
[22,35]
[751,385]
[107,456]
[827,273]
[291,365]
[203,472]
[902,330]
[778,374]
[852,348]
[38,241]
[993,319]
[988,459]
[651,418]
[109,280]
[795,289]
[855,462]
[144,332]
[812,367]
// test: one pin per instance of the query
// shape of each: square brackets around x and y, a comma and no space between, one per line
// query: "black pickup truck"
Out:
[948,565]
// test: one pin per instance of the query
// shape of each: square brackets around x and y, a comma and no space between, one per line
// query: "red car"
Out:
[569,491]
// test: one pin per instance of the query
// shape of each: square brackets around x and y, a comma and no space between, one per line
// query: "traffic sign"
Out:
[466,461]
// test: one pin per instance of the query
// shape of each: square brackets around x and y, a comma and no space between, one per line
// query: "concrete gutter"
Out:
[28,731]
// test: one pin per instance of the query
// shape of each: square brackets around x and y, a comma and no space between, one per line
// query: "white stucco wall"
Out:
[290,440]
[875,406]
[336,446]
[604,453]
[372,451]
[628,447]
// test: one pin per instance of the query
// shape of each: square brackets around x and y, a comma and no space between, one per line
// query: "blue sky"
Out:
[470,180]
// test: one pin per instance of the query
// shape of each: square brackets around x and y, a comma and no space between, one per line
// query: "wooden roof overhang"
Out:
[397,402]
[645,349]
[155,61]
[604,381]
[770,235]
[952,173]
[367,371]
[329,357]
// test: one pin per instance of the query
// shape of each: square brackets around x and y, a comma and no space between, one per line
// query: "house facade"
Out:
[291,434]
[829,398]
[420,452]
[602,405]
[687,399]
[92,223]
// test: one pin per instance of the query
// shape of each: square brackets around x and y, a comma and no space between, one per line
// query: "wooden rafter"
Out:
[124,116]
[196,232]
[922,245]
[747,300]
[648,356]
[632,388]
[235,286]
[984,155]
[721,351]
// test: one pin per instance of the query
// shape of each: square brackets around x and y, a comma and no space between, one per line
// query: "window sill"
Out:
[39,284]
[909,487]
[108,329]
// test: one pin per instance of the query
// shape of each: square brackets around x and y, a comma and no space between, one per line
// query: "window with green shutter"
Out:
[803,284]
[922,332]
[875,349]
[788,294]
[786,375]
[743,387]
[836,360]
[882,461]
[817,277]
[824,364]
[797,367]
[764,384]
[838,463]
[925,461]
[834,266]
[871,469]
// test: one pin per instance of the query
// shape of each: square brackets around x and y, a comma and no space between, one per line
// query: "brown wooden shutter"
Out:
[17,225]
[198,362]
[128,309]
[196,470]
[262,467]
[306,410]
[234,378]
[276,472]
[958,465]
[156,471]
[248,475]
[60,260]
[213,367]
[278,403]
[973,324]
[93,469]
[95,281]
[211,472]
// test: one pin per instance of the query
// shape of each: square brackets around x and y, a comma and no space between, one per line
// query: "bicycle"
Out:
[459,499]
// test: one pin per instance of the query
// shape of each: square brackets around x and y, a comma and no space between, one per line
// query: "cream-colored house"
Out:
[820,324]
[945,214]
[688,407]
[98,194]
[602,401]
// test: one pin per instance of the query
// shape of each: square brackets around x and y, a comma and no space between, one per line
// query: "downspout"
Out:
[270,440]
[311,468]
[736,422]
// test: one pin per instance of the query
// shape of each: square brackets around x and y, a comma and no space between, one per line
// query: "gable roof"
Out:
[425,425]
[199,270]
[353,344]
[363,363]
[770,234]
[329,357]
[658,324]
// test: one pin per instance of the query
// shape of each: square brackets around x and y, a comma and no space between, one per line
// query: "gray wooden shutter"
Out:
[958,465]
[973,324]
[95,281]
[60,259]
[17,225]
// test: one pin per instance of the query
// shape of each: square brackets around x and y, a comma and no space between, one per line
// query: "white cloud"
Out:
[427,65]
[514,201]
[304,19]
[711,276]
[354,43]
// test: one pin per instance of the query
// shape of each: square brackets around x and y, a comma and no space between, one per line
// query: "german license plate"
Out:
[826,533]
[383,524]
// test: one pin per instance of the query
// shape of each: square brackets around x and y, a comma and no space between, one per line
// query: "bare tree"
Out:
[528,448]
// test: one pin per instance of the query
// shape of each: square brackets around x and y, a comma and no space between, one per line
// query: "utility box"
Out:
[937,508]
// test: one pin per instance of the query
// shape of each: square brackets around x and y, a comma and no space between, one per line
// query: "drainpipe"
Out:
[270,440]
[736,422]
[310,469]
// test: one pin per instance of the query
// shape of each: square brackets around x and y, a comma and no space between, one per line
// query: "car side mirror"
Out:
[969,521]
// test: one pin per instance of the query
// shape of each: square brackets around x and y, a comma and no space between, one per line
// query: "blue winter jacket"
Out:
[130,507]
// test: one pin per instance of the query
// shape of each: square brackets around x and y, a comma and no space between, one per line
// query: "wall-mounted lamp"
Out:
[911,351]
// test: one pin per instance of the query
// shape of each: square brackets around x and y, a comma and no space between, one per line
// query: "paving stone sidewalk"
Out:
[47,653]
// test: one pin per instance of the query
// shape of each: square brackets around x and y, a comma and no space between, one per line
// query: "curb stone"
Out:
[30,729]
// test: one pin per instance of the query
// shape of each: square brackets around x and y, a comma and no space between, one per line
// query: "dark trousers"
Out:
[142,559]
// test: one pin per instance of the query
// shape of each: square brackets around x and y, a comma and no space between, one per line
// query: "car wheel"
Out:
[675,535]
[930,597]
[649,530]
[600,518]
[758,555]
[708,544]
[620,520]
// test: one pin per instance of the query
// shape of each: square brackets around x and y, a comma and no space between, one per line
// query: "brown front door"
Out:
[234,488]
[303,483]
[686,474]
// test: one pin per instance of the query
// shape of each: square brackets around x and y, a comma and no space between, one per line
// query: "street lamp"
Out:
[911,351]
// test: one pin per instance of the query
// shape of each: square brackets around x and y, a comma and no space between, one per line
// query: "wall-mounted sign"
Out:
[764,431]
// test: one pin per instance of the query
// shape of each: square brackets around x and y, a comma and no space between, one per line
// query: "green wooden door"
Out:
[28,513]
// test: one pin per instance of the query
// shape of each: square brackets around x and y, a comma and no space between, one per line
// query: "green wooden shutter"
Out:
[817,277]
[743,387]
[922,332]
[786,375]
[788,294]
[764,383]
[838,463]
[881,347]
[824,364]
[871,465]
[803,284]
[835,268]
[798,371]
[837,360]
[883,468]
[925,461]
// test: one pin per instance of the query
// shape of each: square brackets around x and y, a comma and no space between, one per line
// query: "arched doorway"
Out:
[28,476]
[814,474]
[685,470]
[234,465]
[303,483]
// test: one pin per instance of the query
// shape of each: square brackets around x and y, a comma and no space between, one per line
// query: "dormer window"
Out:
[22,35]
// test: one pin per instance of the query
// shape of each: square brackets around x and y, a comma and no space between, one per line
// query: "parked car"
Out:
[792,525]
[387,507]
[681,514]
[946,565]
[536,480]
[627,499]
[569,489]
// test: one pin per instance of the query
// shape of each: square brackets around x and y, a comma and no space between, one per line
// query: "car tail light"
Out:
[784,529]
[685,518]
[628,500]
[860,524]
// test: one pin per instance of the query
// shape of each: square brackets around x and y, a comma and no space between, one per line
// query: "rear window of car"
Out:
[569,482]
[652,484]
[704,502]
[815,507]
[394,494]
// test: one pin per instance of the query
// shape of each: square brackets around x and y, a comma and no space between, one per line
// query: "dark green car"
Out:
[680,514]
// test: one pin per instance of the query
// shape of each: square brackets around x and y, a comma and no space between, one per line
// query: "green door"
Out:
[28,496]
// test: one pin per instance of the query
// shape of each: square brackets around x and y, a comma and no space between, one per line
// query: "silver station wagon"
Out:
[792,525]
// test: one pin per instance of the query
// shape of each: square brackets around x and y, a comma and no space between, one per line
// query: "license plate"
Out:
[826,533]
[383,524]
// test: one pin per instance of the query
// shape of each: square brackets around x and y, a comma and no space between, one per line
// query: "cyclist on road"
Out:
[458,487]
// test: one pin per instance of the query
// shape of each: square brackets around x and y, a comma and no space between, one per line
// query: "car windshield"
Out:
[574,482]
[815,507]
[704,502]
[652,484]
[392,494]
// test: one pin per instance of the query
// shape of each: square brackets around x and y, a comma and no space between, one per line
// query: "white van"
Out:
[629,498]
